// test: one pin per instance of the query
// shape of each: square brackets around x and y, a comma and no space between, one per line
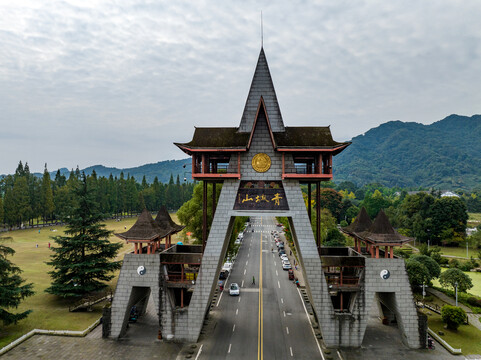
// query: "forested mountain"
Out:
[444,155]
[161,169]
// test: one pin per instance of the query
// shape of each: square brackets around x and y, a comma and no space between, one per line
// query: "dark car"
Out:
[290,273]
[281,251]
[223,275]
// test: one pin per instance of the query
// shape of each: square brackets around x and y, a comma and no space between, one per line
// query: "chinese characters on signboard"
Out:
[265,198]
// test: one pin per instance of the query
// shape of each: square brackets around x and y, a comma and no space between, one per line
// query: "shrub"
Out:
[474,301]
[454,263]
[453,316]
[343,223]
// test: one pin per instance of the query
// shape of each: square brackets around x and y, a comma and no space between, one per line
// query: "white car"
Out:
[234,289]
[286,265]
[227,266]
[284,257]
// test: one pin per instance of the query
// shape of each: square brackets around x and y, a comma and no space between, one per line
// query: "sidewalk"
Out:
[472,318]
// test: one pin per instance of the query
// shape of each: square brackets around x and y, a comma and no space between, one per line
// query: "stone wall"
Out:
[132,288]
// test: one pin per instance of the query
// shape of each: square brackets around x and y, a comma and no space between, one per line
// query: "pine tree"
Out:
[12,292]
[2,212]
[82,261]
[46,195]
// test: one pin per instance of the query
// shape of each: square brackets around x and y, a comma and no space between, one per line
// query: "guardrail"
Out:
[444,343]
[49,332]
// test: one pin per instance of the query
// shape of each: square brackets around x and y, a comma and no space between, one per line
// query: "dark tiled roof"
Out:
[361,223]
[206,138]
[306,137]
[381,231]
[166,224]
[144,228]
[293,137]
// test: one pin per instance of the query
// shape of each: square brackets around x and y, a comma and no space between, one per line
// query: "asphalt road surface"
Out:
[268,320]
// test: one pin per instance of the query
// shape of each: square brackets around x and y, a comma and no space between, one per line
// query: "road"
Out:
[268,320]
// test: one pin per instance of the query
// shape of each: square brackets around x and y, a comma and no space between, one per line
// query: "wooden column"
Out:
[136,251]
[377,252]
[194,164]
[318,213]
[140,248]
[283,164]
[309,203]
[203,163]
[391,252]
[386,252]
[204,215]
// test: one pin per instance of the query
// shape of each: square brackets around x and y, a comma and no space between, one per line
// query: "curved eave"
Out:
[334,149]
[120,236]
[190,150]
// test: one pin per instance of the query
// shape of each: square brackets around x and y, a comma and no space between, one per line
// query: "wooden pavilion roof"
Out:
[382,232]
[145,228]
[362,223]
[166,224]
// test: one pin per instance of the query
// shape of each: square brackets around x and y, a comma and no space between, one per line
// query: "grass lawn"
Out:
[459,251]
[49,311]
[474,219]
[467,337]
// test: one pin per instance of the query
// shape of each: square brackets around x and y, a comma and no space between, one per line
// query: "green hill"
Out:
[161,169]
[444,155]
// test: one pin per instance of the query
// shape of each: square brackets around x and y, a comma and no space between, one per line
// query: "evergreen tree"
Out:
[22,199]
[2,212]
[82,261]
[12,292]
[46,199]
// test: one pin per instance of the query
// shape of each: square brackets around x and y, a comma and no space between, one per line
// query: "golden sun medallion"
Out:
[261,162]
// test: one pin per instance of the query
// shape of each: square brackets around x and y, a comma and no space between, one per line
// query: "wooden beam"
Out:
[309,202]
[318,214]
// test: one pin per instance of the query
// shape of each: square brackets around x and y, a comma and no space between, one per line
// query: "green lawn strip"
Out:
[459,251]
[467,337]
[50,312]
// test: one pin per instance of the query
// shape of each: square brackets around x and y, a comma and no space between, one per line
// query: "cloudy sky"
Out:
[117,82]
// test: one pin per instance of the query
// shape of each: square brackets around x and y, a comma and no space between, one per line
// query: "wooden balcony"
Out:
[308,167]
[215,167]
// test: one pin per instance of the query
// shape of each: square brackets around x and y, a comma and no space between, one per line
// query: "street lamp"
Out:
[456,286]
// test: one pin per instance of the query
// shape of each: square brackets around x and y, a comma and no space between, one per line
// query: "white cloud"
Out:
[88,82]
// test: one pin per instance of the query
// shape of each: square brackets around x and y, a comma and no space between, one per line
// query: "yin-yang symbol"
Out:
[141,270]
[385,274]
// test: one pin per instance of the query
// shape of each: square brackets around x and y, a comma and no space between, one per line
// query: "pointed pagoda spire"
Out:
[361,223]
[262,85]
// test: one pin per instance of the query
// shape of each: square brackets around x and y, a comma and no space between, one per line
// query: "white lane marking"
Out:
[237,311]
[308,319]
[287,330]
[290,347]
[239,299]
[233,329]
[245,271]
[220,297]
[228,352]
[247,255]
[282,300]
[242,285]
[284,313]
[247,262]
[200,350]
[277,273]
[278,284]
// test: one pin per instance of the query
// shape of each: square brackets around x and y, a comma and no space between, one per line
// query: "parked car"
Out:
[284,257]
[290,273]
[234,289]
[286,265]
[223,274]
[281,251]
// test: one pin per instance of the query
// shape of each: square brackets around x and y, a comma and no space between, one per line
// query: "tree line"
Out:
[26,199]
